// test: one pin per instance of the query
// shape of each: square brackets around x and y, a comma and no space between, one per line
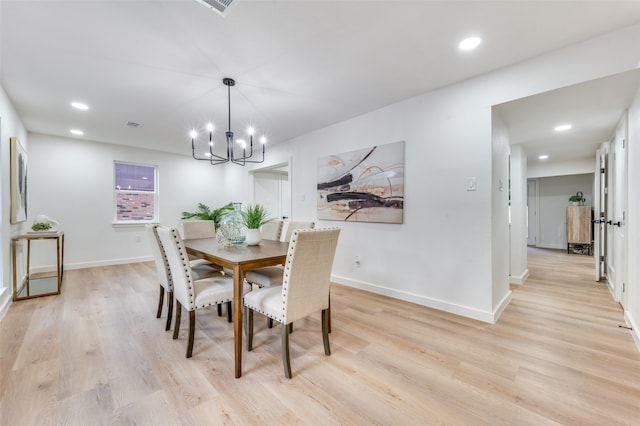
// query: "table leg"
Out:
[238,279]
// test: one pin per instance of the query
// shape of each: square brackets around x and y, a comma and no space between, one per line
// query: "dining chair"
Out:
[304,290]
[191,293]
[200,270]
[272,230]
[190,229]
[195,228]
[272,275]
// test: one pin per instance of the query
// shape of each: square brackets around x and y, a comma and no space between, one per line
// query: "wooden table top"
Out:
[266,251]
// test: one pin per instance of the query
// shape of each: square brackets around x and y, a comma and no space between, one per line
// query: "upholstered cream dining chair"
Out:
[200,269]
[304,290]
[272,275]
[271,230]
[190,293]
[195,228]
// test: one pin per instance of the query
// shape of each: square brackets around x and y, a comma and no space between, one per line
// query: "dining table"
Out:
[239,259]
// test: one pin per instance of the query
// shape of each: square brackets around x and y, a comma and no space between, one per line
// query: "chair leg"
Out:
[169,310]
[248,327]
[160,302]
[192,332]
[329,313]
[176,326]
[219,309]
[270,325]
[286,363]
[325,331]
[229,312]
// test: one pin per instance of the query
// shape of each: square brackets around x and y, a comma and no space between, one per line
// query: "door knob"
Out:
[609,222]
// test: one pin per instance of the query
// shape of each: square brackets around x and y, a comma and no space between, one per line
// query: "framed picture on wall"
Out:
[18,182]
[366,185]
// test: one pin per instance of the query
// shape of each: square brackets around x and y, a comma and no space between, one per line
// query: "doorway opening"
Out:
[271,188]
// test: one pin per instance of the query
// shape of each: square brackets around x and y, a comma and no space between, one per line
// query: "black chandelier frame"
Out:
[215,159]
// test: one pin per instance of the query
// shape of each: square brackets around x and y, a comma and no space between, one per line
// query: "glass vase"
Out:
[232,231]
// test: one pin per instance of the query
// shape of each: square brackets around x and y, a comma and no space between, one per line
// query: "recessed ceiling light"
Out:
[77,132]
[562,127]
[469,43]
[543,157]
[79,105]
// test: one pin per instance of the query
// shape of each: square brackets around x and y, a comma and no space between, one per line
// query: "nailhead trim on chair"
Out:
[176,240]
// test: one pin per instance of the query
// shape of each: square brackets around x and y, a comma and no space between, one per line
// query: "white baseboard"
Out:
[5,301]
[82,265]
[465,311]
[501,307]
[551,246]
[519,279]
[635,332]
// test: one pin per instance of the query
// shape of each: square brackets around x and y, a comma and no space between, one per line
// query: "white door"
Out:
[271,189]
[599,215]
[532,212]
[617,215]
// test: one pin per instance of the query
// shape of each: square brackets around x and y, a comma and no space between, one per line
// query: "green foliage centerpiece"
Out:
[254,216]
[205,213]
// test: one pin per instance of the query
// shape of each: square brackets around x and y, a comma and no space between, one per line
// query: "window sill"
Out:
[133,224]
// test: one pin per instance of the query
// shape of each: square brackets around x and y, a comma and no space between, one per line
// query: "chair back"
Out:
[291,226]
[181,275]
[191,229]
[162,267]
[307,272]
[272,230]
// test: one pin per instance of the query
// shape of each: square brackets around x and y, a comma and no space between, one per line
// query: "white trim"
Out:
[635,332]
[5,300]
[83,265]
[501,307]
[521,279]
[551,246]
[465,311]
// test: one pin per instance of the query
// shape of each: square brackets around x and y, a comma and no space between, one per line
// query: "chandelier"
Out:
[215,159]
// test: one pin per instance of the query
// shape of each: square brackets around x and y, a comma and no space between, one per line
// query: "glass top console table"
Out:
[28,285]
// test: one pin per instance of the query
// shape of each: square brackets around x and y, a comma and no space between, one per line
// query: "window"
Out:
[136,193]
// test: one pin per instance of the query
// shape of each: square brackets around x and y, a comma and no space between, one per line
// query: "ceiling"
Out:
[299,65]
[593,109]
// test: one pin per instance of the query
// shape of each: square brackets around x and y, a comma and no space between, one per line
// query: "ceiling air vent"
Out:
[220,6]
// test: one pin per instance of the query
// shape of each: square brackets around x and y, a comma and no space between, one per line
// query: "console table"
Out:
[40,284]
[579,232]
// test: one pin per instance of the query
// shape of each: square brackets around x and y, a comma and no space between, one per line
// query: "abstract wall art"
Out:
[366,185]
[18,182]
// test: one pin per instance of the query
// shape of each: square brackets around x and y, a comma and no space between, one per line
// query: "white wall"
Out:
[518,261]
[575,167]
[10,126]
[632,314]
[500,241]
[71,181]
[553,199]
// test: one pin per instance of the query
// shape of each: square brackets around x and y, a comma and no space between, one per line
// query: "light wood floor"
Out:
[97,355]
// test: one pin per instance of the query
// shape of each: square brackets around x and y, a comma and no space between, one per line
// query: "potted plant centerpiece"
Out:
[577,199]
[254,216]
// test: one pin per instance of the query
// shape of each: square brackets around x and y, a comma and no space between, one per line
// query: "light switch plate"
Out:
[471,184]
